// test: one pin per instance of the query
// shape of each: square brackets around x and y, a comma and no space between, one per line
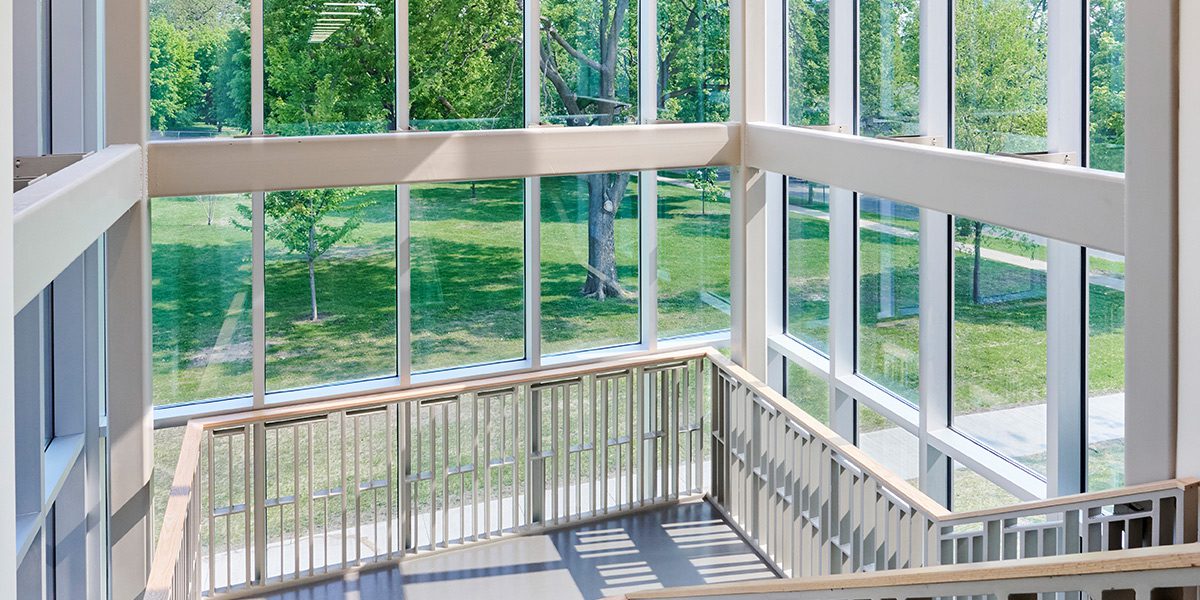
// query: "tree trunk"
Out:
[312,273]
[604,198]
[978,227]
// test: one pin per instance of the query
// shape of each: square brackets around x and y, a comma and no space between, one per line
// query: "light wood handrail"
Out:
[1184,484]
[1138,560]
[901,488]
[171,535]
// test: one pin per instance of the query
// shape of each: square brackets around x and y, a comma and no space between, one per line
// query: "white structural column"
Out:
[1151,238]
[1188,452]
[774,264]
[648,180]
[936,299]
[130,418]
[533,189]
[403,207]
[749,214]
[8,508]
[1066,281]
[843,230]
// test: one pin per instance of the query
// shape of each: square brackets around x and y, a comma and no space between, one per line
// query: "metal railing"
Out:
[282,494]
[292,492]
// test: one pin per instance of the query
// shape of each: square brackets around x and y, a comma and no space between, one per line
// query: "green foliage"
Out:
[889,72]
[1107,80]
[175,88]
[808,62]
[693,60]
[1000,75]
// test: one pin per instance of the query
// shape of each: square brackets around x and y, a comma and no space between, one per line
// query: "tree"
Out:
[808,62]
[889,67]
[1107,102]
[174,76]
[297,219]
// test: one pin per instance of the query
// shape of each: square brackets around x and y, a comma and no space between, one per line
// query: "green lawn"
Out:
[467,277]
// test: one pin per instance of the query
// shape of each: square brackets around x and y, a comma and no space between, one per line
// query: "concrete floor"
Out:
[686,544]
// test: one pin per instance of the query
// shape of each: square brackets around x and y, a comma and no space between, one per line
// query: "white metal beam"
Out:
[1068,203]
[187,168]
[59,217]
[1152,235]
[8,509]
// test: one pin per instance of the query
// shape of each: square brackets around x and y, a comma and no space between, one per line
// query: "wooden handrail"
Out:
[171,535]
[173,530]
[1139,560]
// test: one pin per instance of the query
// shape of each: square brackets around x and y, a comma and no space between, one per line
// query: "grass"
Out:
[467,275]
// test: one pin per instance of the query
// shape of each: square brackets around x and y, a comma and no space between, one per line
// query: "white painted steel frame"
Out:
[8,475]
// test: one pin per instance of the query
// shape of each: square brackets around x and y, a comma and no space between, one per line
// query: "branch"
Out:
[550,69]
[548,27]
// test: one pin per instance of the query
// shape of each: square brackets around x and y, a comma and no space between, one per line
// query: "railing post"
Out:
[403,435]
[537,464]
[259,449]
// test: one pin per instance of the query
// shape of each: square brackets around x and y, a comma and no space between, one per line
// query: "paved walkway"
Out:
[1014,432]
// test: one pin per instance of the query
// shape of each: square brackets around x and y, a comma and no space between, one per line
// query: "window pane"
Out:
[888,290]
[1000,75]
[808,262]
[807,62]
[693,60]
[200,252]
[893,446]
[199,68]
[972,491]
[589,262]
[167,444]
[693,251]
[466,65]
[1106,60]
[808,391]
[330,285]
[468,273]
[1106,370]
[889,54]
[330,66]
[588,77]
[1000,340]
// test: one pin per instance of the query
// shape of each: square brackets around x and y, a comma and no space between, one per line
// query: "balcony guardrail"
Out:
[286,493]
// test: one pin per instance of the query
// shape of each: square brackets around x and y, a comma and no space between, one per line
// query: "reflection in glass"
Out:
[893,446]
[199,69]
[807,62]
[589,261]
[807,281]
[200,251]
[330,66]
[589,62]
[1000,339]
[1106,371]
[1000,75]
[465,64]
[330,285]
[693,251]
[808,391]
[693,60]
[468,273]
[889,54]
[888,291]
[1106,101]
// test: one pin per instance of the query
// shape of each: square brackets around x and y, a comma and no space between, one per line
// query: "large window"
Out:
[466,64]
[888,291]
[1000,340]
[808,391]
[1000,75]
[693,60]
[807,283]
[589,62]
[330,66]
[468,273]
[693,252]
[1106,371]
[589,262]
[199,68]
[889,54]
[200,251]
[1106,78]
[894,447]
[807,61]
[330,285]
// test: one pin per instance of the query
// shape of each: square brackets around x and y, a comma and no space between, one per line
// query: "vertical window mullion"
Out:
[648,180]
[403,206]
[842,232]
[258,295]
[533,190]
[934,272]
[1066,279]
